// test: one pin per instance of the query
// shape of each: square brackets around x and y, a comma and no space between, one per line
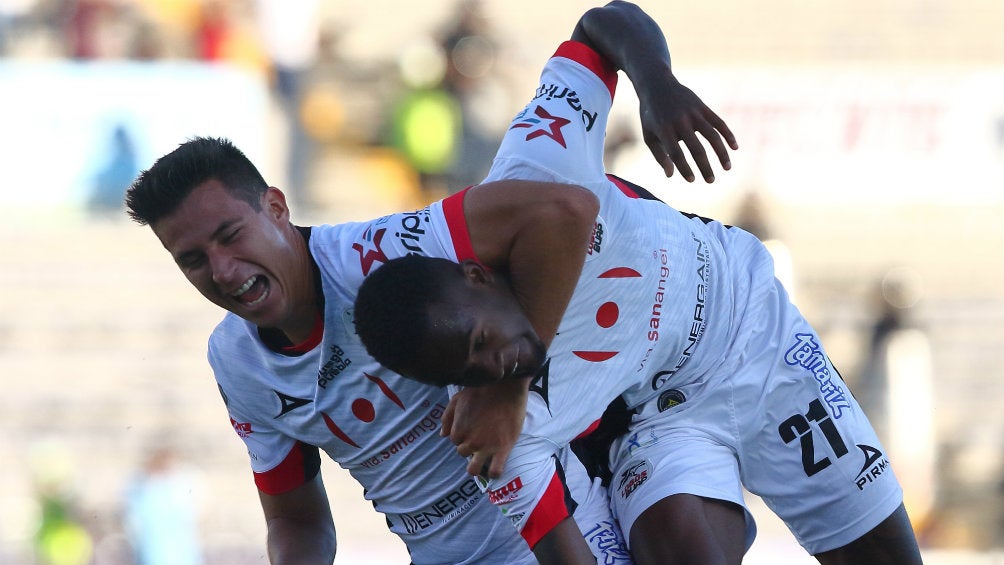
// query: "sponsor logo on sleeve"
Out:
[369,249]
[412,230]
[549,92]
[541,123]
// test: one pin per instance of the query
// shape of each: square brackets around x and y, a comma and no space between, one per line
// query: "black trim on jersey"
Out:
[273,338]
[593,450]
[704,219]
[646,195]
[311,461]
[642,193]
[570,503]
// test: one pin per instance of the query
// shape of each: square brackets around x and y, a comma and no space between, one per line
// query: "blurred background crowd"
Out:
[871,159]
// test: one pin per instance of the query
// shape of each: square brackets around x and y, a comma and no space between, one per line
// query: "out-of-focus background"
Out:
[872,159]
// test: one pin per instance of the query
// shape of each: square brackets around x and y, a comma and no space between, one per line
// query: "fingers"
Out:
[479,464]
[668,151]
[721,127]
[497,463]
[662,157]
[447,420]
[700,157]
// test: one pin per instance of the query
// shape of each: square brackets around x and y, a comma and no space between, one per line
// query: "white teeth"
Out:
[259,299]
[245,287]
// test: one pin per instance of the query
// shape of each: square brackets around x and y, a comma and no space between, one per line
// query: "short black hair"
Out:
[159,190]
[392,308]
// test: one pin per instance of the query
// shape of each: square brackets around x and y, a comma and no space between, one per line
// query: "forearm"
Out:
[295,542]
[628,37]
[564,545]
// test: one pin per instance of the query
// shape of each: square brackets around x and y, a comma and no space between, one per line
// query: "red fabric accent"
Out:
[585,56]
[453,210]
[619,273]
[285,476]
[623,187]
[592,428]
[594,356]
[312,341]
[549,511]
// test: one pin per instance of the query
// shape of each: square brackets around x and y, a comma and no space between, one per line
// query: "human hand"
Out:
[671,113]
[484,423]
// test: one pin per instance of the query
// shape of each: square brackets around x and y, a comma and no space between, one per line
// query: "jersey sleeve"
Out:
[279,463]
[559,135]
[532,496]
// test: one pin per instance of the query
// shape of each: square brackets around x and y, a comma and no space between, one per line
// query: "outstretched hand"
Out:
[484,423]
[670,114]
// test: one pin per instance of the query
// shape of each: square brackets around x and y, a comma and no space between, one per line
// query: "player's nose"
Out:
[222,266]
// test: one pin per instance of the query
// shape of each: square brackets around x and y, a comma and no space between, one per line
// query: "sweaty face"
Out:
[478,335]
[242,259]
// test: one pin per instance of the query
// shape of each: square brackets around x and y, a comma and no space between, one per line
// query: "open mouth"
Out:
[252,292]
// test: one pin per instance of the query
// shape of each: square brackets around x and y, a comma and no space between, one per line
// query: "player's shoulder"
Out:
[233,333]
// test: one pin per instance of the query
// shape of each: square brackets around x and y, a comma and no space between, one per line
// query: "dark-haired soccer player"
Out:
[726,383]
[295,378]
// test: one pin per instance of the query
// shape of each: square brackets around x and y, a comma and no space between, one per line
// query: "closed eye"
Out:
[230,236]
[190,261]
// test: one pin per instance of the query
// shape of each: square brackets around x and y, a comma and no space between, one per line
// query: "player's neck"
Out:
[308,306]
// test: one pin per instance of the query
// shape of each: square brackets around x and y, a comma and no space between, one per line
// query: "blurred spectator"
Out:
[107,29]
[426,121]
[753,217]
[111,182]
[291,36]
[161,512]
[471,57]
[226,31]
[60,538]
[895,389]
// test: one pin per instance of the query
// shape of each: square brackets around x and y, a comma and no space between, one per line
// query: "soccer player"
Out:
[725,383]
[296,379]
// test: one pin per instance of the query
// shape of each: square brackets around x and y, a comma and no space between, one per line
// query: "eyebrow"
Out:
[217,233]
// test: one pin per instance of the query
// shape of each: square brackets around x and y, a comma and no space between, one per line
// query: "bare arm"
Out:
[537,233]
[670,112]
[564,545]
[300,528]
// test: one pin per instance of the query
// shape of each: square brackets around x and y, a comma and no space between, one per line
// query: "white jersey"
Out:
[624,331]
[382,428]
[730,389]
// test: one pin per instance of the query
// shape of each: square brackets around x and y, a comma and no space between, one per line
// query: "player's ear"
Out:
[273,203]
[476,272]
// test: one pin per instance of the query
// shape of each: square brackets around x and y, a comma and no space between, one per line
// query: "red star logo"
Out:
[553,128]
[372,252]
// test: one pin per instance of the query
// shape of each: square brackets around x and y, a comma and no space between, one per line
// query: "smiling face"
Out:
[250,262]
[477,334]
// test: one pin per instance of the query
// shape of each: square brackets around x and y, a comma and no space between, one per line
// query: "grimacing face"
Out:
[239,258]
[477,335]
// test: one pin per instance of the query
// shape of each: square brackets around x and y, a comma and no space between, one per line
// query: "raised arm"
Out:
[670,112]
[536,234]
[300,528]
